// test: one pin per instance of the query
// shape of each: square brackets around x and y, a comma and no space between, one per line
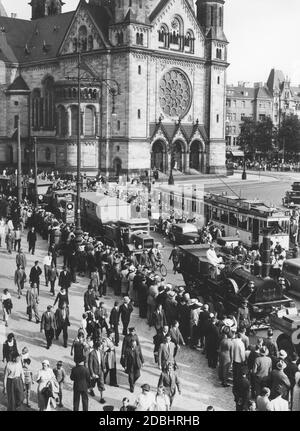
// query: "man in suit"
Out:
[132,336]
[96,367]
[159,318]
[114,319]
[125,311]
[65,279]
[21,259]
[212,341]
[62,323]
[34,276]
[133,362]
[170,381]
[176,336]
[48,324]
[32,300]
[81,377]
[20,278]
[31,239]
[52,276]
[166,352]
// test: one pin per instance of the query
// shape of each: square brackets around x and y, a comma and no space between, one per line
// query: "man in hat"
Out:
[125,312]
[166,352]
[175,258]
[261,370]
[89,299]
[110,359]
[96,366]
[127,341]
[279,378]
[65,279]
[212,342]
[62,323]
[21,259]
[81,377]
[243,316]
[271,345]
[171,307]
[146,400]
[195,310]
[278,403]
[34,276]
[48,324]
[133,362]
[114,320]
[203,324]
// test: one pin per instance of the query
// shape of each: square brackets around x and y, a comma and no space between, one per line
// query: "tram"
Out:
[247,219]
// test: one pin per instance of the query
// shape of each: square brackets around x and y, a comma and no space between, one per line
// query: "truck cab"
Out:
[185,233]
[291,274]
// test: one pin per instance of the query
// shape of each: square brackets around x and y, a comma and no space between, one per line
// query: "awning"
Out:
[238,153]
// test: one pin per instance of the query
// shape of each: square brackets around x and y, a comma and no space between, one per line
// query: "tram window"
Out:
[242,222]
[233,219]
[216,214]
[262,226]
[224,217]
[250,226]
[279,226]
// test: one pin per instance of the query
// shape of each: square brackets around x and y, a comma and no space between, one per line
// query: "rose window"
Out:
[175,93]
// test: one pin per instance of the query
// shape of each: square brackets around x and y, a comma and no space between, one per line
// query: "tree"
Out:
[289,134]
[257,135]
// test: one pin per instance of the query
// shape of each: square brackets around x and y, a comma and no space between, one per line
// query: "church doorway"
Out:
[197,156]
[178,156]
[117,165]
[158,156]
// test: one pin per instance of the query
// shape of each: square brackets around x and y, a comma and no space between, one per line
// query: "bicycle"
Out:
[161,267]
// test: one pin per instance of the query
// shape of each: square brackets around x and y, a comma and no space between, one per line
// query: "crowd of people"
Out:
[262,377]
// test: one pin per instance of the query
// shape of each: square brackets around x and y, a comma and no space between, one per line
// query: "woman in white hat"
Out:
[45,379]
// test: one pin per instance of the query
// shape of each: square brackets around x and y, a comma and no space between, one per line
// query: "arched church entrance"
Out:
[117,165]
[158,156]
[197,156]
[178,155]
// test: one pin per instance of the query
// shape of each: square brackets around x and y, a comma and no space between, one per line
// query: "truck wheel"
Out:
[284,343]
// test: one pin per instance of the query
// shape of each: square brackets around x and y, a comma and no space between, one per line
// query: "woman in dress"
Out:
[6,305]
[44,379]
[296,391]
[14,382]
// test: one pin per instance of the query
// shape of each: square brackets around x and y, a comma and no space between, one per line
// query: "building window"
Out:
[48,154]
[218,118]
[163,36]
[218,80]
[262,117]
[212,16]
[16,117]
[139,70]
[74,120]
[243,103]
[62,121]
[48,99]
[228,103]
[120,38]
[139,114]
[36,109]
[119,125]
[90,43]
[219,53]
[139,39]
[82,38]
[90,121]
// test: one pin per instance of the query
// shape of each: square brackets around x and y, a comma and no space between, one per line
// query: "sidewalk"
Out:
[200,386]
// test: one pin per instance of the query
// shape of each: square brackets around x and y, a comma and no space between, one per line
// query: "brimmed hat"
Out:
[146,387]
[282,354]
[263,351]
[281,365]
[46,362]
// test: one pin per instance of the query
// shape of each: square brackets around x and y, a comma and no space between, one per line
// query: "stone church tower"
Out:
[43,8]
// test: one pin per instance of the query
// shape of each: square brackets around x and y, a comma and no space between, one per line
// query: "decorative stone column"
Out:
[187,162]
[69,116]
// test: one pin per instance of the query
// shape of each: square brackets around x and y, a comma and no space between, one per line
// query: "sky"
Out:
[263,34]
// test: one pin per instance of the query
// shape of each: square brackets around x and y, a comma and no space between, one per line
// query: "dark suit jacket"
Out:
[159,319]
[127,341]
[170,382]
[65,279]
[34,276]
[81,377]
[125,312]
[133,359]
[60,322]
[48,322]
[114,318]
[31,237]
[176,336]
[94,366]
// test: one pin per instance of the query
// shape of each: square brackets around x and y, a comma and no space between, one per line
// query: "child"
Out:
[24,354]
[125,406]
[60,375]
[28,379]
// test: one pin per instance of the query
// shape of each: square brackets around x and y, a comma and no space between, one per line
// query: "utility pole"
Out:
[19,169]
[36,198]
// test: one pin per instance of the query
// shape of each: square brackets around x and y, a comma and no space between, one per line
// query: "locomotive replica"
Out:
[235,284]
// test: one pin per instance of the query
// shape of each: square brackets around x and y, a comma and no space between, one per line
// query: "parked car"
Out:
[291,273]
[185,233]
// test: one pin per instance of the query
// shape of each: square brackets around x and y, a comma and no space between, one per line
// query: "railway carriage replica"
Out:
[265,296]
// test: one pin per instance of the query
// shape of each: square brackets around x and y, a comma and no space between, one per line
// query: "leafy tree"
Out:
[289,134]
[257,135]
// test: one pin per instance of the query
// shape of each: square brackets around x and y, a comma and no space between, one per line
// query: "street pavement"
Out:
[200,384]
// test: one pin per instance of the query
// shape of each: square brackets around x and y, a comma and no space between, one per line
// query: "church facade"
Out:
[152,85]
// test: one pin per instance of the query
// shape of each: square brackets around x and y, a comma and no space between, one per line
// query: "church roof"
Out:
[263,93]
[276,78]
[101,17]
[18,85]
[240,92]
[35,40]
[217,34]
[162,4]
